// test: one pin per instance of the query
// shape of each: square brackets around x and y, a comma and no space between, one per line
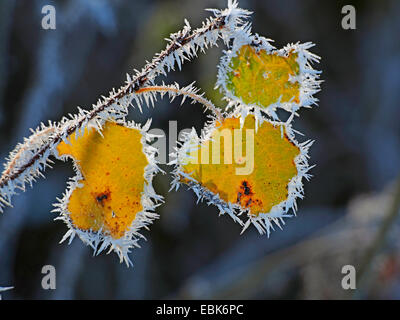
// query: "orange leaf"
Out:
[256,171]
[110,192]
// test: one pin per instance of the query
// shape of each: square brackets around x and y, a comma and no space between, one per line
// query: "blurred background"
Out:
[351,202]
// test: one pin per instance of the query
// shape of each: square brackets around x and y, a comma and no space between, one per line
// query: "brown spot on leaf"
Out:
[103,196]
[245,195]
[287,138]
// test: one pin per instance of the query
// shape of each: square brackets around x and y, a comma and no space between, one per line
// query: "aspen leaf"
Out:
[258,77]
[264,78]
[111,196]
[263,177]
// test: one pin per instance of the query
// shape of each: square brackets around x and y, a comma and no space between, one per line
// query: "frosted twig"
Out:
[182,46]
[188,91]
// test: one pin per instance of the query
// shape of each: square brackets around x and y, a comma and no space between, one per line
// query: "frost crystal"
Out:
[101,240]
[307,78]
[263,221]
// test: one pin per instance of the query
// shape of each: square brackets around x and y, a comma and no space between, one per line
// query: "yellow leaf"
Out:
[112,169]
[263,78]
[270,160]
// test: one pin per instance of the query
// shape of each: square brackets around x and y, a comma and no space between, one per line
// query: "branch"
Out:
[189,91]
[183,45]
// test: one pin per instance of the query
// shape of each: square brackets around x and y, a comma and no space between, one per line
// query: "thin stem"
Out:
[186,92]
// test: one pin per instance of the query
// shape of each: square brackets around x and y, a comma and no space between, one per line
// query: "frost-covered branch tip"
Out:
[188,91]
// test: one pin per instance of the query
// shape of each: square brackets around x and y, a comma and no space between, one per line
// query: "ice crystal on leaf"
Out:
[255,75]
[264,79]
[112,196]
[262,179]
